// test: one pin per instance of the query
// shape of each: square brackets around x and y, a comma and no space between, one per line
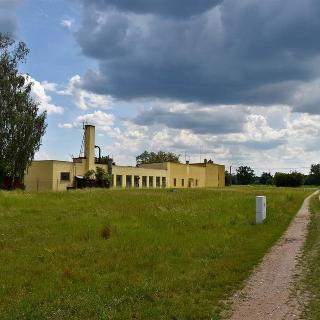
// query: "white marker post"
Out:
[261,209]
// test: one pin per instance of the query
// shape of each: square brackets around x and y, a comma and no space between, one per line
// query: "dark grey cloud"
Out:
[171,8]
[8,20]
[199,121]
[239,52]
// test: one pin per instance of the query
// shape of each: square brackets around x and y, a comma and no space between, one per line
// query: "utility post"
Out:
[230,176]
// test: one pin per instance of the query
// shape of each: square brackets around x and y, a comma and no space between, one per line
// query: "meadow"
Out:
[133,254]
[311,279]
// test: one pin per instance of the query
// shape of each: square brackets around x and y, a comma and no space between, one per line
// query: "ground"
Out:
[133,254]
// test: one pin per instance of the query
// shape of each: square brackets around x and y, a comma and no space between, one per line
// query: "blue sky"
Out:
[234,81]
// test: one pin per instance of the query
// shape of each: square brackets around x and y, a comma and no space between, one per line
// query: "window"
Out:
[65,176]
[118,181]
[128,181]
[182,182]
[174,182]
[144,181]
[136,181]
[150,182]
[158,182]
[163,182]
[196,182]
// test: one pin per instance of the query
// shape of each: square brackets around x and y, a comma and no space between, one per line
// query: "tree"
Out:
[21,124]
[314,175]
[266,178]
[293,179]
[103,177]
[160,157]
[245,175]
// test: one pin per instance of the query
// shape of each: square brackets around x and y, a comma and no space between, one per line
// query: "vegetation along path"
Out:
[267,292]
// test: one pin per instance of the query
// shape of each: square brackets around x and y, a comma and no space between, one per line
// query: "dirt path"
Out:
[266,294]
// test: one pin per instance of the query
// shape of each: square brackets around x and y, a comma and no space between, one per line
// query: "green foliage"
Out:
[227,178]
[89,175]
[21,125]
[293,179]
[266,178]
[102,175]
[310,281]
[245,175]
[3,171]
[133,254]
[314,177]
[160,157]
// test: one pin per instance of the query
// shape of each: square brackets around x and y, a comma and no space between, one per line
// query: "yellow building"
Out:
[45,175]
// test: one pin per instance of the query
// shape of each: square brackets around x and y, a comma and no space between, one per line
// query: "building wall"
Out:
[222,172]
[60,184]
[39,176]
[46,175]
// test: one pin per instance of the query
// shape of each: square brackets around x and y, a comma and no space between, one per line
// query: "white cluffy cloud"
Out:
[67,23]
[39,93]
[84,99]
[103,121]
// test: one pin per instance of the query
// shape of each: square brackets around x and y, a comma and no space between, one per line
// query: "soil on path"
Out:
[267,292]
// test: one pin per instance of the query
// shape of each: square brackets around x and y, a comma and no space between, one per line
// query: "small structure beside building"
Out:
[53,175]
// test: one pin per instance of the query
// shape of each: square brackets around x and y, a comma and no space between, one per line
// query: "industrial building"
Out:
[53,175]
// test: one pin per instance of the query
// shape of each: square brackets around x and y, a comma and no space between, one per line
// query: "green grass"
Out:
[311,279]
[137,254]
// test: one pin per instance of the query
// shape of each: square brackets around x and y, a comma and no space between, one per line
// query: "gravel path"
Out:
[267,292]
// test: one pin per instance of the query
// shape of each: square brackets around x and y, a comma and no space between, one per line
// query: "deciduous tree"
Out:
[152,157]
[21,124]
[245,175]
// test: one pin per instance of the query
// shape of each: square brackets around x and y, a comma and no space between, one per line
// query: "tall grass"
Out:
[136,254]
[311,278]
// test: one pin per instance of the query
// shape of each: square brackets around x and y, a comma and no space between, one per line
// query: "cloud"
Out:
[40,95]
[103,121]
[176,8]
[200,120]
[67,23]
[8,19]
[237,52]
[83,99]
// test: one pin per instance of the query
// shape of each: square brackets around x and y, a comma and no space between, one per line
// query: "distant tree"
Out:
[315,170]
[293,179]
[160,157]
[227,178]
[245,175]
[314,176]
[266,178]
[21,124]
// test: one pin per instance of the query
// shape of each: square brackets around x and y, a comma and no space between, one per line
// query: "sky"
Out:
[234,81]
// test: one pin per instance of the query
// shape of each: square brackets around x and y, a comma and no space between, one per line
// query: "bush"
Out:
[293,179]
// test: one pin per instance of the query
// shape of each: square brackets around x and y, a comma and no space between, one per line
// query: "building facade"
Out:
[54,175]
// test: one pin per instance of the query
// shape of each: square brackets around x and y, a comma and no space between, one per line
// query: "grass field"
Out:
[311,280]
[136,254]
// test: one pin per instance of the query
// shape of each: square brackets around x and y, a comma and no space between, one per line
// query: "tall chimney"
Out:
[89,147]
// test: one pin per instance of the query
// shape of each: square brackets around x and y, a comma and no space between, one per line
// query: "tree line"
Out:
[245,175]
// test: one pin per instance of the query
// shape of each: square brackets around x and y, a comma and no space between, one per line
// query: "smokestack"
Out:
[89,147]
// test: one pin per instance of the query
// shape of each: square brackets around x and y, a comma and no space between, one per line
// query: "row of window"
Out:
[191,182]
[138,181]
